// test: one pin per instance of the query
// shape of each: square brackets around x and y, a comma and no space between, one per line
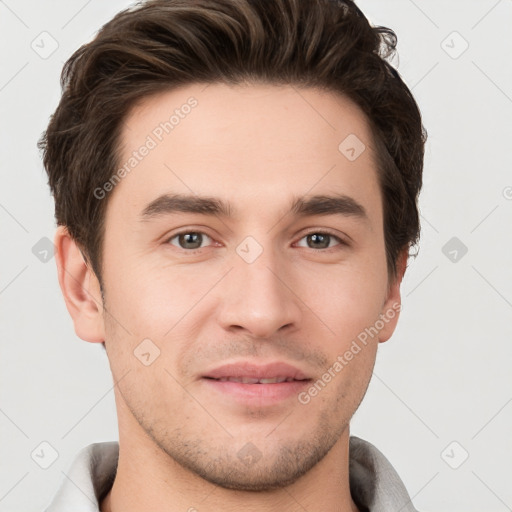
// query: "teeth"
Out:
[244,380]
[250,380]
[273,380]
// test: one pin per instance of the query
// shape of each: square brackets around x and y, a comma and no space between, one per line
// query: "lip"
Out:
[253,371]
[256,394]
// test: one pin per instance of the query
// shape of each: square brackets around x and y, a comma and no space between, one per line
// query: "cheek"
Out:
[347,300]
[149,301]
[163,307]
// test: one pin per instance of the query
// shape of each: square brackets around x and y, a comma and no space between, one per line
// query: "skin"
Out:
[258,147]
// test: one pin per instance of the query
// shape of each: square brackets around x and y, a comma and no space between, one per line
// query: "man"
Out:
[236,185]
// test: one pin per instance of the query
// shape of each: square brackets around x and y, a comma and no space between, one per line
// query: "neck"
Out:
[148,479]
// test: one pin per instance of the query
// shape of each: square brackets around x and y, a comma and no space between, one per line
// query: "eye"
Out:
[321,240]
[189,240]
[194,240]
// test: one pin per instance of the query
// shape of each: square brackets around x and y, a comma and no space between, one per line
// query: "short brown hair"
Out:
[162,44]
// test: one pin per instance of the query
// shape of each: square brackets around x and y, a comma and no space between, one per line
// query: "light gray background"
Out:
[444,376]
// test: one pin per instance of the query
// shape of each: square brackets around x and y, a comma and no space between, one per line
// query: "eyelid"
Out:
[187,231]
[325,231]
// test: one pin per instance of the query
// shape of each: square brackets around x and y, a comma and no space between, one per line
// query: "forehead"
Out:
[248,144]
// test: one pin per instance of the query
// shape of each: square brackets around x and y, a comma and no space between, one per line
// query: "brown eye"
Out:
[188,240]
[320,240]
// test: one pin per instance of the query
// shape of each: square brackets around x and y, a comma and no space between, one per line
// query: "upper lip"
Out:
[256,371]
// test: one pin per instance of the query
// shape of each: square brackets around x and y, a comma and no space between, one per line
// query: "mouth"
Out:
[255,380]
[253,384]
[247,372]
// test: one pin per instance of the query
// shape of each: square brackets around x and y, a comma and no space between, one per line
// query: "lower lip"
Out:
[260,394]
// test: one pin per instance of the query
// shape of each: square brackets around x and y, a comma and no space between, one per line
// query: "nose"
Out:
[258,299]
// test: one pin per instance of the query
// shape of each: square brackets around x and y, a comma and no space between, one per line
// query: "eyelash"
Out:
[314,232]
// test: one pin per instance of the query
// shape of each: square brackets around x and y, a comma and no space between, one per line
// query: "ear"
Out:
[393,303]
[80,288]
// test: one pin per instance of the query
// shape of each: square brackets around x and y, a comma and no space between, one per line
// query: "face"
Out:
[243,262]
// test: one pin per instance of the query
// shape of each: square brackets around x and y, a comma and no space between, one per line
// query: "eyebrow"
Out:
[303,206]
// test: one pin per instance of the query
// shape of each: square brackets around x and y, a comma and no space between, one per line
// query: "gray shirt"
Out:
[374,484]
